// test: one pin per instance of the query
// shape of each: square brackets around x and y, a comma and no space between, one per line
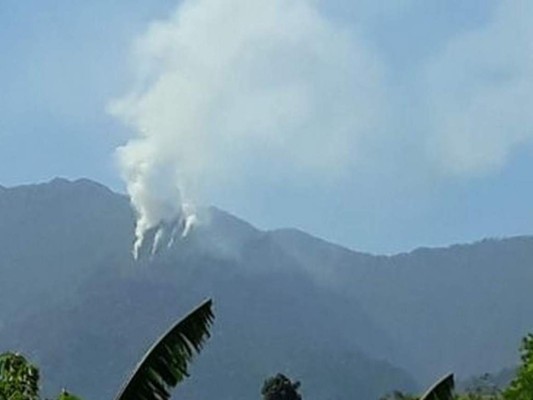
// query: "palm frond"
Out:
[441,390]
[166,363]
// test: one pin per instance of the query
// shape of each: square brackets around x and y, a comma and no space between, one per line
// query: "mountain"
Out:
[74,300]
[345,323]
[463,308]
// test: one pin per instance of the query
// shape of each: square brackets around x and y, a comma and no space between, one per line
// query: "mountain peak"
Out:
[80,183]
[62,183]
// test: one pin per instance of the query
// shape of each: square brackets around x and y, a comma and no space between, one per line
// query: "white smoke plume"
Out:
[228,86]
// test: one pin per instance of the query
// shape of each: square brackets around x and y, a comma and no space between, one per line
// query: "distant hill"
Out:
[346,324]
[463,308]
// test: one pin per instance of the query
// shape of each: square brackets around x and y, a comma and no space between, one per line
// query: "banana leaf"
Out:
[166,363]
[441,390]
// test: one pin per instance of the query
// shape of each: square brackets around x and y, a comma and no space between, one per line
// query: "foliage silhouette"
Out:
[521,387]
[163,366]
[166,363]
[441,390]
[280,387]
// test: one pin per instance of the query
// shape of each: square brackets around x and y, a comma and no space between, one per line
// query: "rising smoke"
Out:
[227,86]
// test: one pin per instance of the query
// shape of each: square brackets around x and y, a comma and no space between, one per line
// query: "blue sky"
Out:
[444,152]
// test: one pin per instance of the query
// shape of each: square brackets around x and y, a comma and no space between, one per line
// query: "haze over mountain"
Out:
[347,324]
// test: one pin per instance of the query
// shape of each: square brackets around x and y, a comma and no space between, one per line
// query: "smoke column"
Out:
[224,84]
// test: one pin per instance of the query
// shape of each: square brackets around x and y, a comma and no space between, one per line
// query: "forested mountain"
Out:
[463,308]
[346,324]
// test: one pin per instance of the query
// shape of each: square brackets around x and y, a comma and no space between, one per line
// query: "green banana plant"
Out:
[166,363]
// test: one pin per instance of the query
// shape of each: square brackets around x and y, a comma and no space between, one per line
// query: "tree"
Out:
[65,395]
[280,387]
[19,379]
[521,387]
